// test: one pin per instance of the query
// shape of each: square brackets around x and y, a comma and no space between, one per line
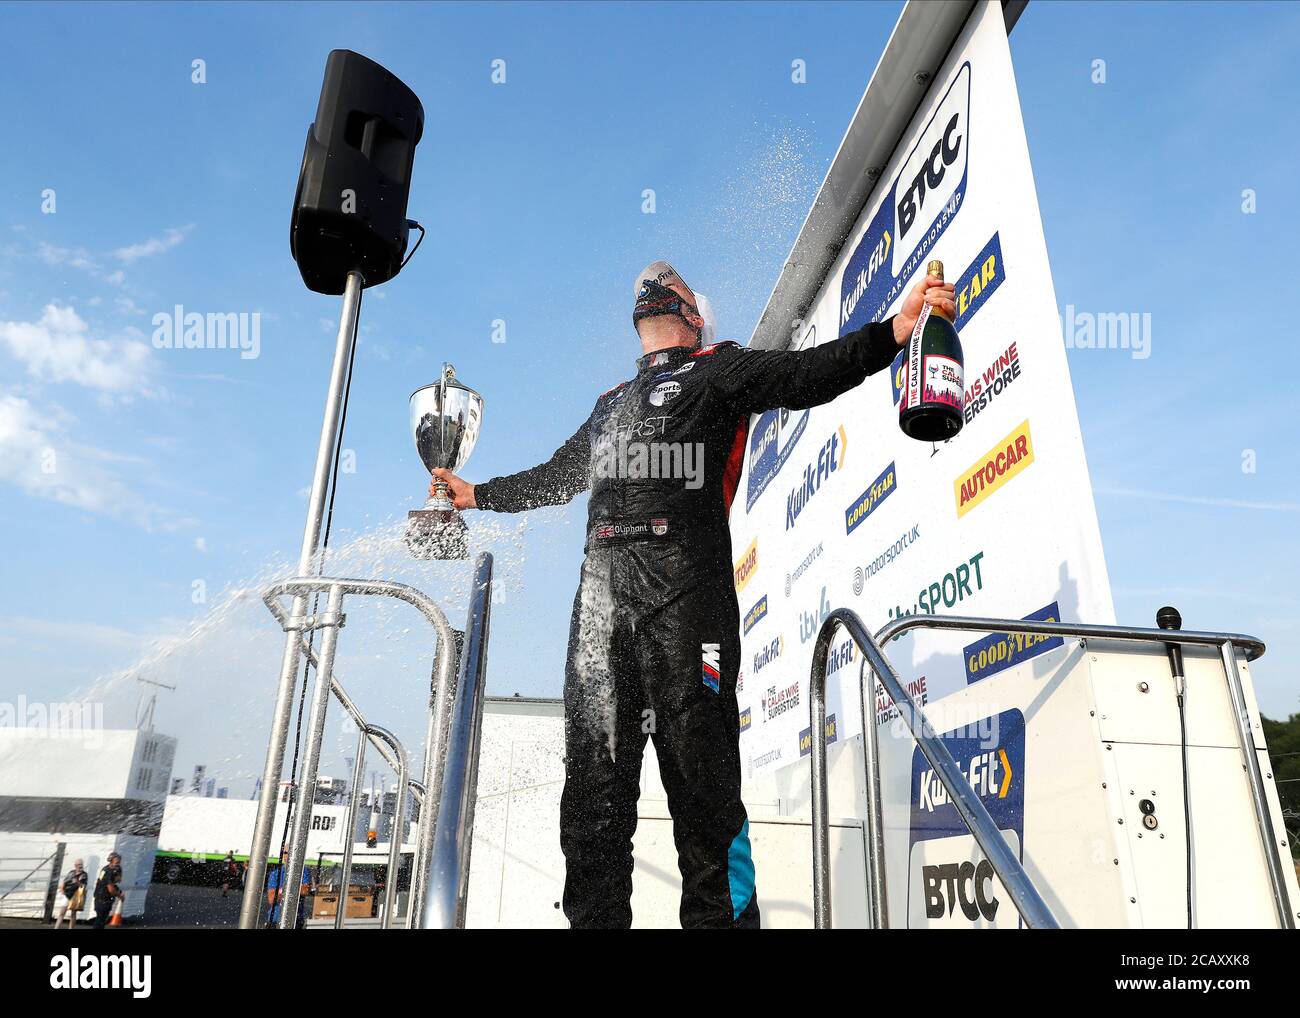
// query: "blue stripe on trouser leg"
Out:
[740,871]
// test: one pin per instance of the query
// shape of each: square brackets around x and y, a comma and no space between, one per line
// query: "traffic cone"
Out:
[115,919]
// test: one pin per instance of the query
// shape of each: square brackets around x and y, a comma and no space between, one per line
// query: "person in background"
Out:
[274,880]
[108,888]
[74,894]
[229,873]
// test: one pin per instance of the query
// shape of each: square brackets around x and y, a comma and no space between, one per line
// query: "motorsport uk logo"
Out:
[892,551]
[830,458]
[1009,457]
[792,578]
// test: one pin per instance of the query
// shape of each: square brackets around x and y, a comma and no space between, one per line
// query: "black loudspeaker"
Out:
[350,209]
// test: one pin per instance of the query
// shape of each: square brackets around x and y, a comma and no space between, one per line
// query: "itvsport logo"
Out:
[830,458]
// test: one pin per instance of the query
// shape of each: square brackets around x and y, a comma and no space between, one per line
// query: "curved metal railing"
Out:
[1028,902]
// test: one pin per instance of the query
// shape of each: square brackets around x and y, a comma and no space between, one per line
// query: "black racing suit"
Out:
[654,639]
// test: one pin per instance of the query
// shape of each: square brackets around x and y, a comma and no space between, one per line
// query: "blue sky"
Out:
[182,470]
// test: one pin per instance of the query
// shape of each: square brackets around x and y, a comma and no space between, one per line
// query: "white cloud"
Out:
[37,458]
[201,544]
[59,348]
[1210,500]
[152,246]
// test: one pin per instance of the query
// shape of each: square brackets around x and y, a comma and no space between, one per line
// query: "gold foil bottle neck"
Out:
[935,269]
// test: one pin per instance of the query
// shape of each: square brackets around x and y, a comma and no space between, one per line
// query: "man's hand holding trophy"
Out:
[445,421]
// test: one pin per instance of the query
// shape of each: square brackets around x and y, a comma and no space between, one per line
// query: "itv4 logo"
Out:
[811,622]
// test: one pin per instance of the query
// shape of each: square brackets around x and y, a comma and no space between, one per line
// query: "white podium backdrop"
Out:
[837,507]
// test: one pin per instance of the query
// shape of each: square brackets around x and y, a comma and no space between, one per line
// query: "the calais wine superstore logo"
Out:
[923,200]
[992,382]
[1009,456]
[779,700]
[830,458]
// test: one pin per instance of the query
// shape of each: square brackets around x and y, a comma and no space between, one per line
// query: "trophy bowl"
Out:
[445,421]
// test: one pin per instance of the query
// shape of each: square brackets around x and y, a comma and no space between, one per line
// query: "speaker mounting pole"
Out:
[309,564]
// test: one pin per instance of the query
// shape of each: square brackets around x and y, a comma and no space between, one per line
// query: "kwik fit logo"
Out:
[766,655]
[830,458]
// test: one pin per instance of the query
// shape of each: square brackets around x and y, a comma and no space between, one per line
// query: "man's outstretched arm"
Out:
[756,380]
[554,482]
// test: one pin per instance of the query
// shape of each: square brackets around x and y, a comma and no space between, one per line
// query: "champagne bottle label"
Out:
[943,381]
[912,392]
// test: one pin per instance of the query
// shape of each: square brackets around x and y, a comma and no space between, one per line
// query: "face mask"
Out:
[655,299]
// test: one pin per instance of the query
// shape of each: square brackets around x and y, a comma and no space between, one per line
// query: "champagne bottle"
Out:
[930,409]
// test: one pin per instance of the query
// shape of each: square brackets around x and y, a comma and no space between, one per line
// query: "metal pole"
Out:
[301,823]
[399,821]
[448,880]
[255,877]
[358,772]
[874,826]
[1263,818]
[441,699]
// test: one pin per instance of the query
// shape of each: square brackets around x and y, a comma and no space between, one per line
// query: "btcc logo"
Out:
[935,169]
[995,468]
[965,884]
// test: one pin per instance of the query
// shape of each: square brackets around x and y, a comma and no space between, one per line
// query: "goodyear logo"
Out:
[976,284]
[995,468]
[746,718]
[867,503]
[756,614]
[745,568]
[805,737]
[999,651]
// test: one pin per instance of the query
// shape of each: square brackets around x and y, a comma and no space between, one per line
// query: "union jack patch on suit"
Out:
[712,664]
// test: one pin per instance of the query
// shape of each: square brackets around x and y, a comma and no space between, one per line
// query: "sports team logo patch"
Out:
[660,527]
[712,665]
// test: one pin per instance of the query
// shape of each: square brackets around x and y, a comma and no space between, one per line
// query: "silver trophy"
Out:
[445,421]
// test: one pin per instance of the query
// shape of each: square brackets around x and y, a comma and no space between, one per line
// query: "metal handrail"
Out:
[448,880]
[376,735]
[331,620]
[1227,644]
[1024,895]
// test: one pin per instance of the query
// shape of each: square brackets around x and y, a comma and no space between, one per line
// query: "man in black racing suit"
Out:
[654,639]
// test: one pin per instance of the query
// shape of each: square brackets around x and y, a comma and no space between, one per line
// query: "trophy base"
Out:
[436,534]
